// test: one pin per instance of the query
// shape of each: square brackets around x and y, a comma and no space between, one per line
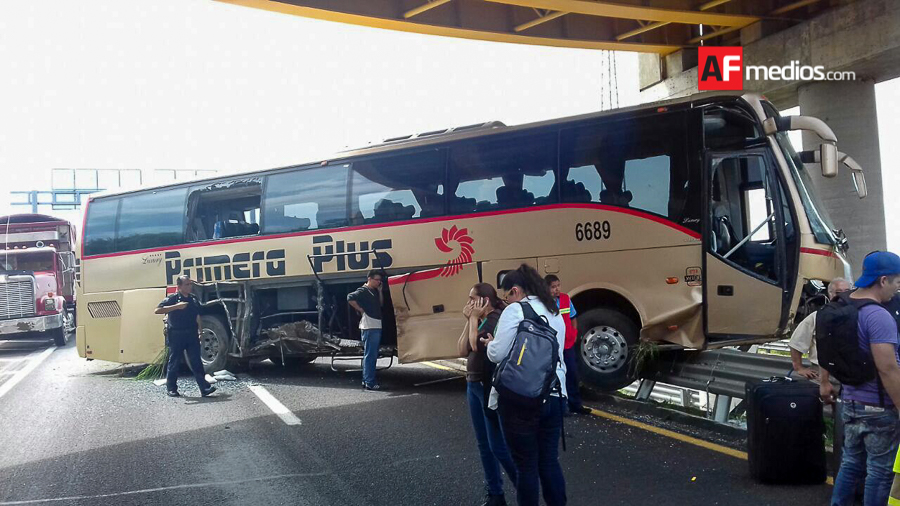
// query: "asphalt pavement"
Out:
[77,432]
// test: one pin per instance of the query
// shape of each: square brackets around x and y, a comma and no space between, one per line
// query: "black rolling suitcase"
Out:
[785,431]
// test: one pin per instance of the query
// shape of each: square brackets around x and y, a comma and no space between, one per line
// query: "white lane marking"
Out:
[163,489]
[34,360]
[275,405]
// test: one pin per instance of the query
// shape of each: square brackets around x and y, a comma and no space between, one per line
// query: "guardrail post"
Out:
[687,398]
[723,407]
[644,390]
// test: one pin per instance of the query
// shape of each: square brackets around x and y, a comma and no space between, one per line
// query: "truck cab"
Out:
[37,278]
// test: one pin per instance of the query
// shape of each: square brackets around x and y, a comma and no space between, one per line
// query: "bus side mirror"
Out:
[826,156]
[856,171]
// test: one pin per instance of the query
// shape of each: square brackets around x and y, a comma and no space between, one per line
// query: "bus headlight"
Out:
[49,304]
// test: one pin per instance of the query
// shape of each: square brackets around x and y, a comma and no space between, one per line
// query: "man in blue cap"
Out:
[871,422]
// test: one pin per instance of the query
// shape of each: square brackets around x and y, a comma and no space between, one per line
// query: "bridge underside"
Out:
[655,26]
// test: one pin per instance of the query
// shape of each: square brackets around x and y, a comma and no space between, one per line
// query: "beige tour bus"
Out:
[689,224]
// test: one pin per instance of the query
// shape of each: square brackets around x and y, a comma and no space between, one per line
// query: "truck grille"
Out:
[16,299]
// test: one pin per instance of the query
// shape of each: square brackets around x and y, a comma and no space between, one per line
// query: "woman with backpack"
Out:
[482,313]
[531,424]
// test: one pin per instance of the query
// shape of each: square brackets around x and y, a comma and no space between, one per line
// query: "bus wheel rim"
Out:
[604,349]
[209,346]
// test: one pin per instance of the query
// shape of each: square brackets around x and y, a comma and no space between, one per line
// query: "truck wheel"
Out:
[606,349]
[214,343]
[59,336]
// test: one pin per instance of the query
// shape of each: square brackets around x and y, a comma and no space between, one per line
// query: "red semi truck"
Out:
[37,277]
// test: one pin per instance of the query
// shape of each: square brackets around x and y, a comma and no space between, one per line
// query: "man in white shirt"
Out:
[803,338]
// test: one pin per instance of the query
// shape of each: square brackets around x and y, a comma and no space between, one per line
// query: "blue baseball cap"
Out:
[877,264]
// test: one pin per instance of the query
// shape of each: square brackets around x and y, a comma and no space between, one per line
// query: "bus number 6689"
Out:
[592,231]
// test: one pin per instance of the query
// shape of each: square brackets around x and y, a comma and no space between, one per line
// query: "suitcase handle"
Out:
[776,379]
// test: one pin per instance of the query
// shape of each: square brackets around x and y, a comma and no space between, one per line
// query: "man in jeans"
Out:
[871,423]
[366,300]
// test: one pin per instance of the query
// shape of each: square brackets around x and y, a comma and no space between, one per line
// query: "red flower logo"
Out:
[460,237]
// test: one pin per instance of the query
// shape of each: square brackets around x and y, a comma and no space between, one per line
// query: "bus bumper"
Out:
[9,328]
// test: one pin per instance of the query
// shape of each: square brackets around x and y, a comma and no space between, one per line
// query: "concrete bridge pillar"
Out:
[848,107]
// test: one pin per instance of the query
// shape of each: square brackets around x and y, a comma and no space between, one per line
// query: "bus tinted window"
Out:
[503,173]
[308,199]
[151,220]
[398,188]
[100,227]
[638,163]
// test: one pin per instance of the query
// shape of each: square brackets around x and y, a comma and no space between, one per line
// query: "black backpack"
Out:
[527,375]
[837,341]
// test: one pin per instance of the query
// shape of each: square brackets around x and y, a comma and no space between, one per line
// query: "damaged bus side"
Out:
[688,224]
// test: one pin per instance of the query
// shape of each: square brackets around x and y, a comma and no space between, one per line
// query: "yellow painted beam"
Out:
[646,28]
[712,4]
[539,21]
[643,29]
[793,6]
[423,8]
[626,11]
[449,31]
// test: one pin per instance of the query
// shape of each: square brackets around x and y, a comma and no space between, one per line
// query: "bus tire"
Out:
[214,343]
[605,349]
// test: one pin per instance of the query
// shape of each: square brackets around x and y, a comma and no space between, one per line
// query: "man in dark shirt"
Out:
[366,300]
[183,326]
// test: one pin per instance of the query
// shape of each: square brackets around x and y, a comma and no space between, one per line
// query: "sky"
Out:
[201,85]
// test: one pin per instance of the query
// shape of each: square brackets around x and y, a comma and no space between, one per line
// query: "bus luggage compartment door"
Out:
[428,308]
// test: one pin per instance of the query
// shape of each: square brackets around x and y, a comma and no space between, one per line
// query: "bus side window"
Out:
[397,188]
[638,163]
[306,199]
[503,173]
[150,220]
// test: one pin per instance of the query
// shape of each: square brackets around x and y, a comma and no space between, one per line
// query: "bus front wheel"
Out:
[213,343]
[606,349]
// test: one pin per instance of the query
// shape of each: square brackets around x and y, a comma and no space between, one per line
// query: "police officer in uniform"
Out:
[183,310]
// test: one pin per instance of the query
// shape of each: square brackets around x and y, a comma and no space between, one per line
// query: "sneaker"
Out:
[205,393]
[583,410]
[373,388]
[173,393]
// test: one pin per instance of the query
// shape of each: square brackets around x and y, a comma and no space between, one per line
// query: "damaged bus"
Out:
[687,224]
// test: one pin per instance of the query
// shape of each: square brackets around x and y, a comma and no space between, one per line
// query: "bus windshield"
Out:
[819,220]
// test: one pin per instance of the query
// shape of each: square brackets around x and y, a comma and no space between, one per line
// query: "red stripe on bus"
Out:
[415,276]
[485,214]
[822,252]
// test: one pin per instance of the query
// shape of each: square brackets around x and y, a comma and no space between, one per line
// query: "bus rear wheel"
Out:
[606,349]
[214,343]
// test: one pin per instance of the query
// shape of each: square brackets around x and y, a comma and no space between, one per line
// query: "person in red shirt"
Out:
[570,355]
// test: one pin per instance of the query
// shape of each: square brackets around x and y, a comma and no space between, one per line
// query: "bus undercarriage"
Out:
[243,320]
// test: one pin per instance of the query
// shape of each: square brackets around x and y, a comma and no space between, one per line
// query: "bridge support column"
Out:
[848,107]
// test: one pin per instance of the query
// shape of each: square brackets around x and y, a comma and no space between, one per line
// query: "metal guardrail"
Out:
[669,394]
[777,346]
[722,371]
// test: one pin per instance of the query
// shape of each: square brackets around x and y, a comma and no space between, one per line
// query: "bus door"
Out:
[749,243]
[428,308]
